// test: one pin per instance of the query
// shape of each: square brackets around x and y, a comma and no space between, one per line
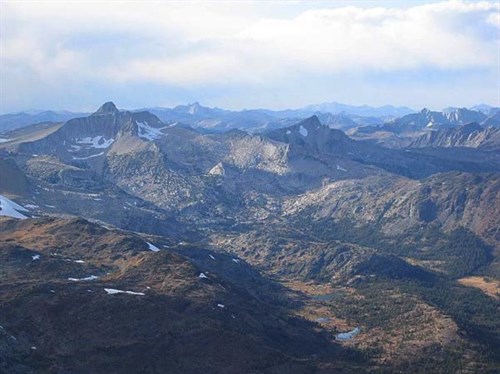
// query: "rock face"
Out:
[217,170]
[315,137]
[493,119]
[464,116]
[471,135]
[450,200]
[13,180]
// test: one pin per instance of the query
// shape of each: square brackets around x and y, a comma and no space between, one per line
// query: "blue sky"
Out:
[76,55]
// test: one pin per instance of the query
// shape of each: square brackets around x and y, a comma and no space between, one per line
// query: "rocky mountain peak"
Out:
[194,107]
[308,128]
[312,122]
[107,108]
[462,116]
[310,135]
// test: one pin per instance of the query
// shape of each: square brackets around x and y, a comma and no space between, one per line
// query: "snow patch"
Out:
[341,168]
[202,276]
[147,132]
[221,306]
[75,148]
[212,257]
[303,131]
[152,247]
[86,158]
[9,208]
[76,261]
[236,260]
[113,291]
[31,206]
[348,335]
[3,140]
[95,142]
[35,257]
[89,278]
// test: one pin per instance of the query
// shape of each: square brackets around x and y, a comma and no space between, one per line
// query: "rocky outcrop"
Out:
[471,135]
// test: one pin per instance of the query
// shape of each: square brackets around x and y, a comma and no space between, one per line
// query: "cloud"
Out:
[451,35]
[198,44]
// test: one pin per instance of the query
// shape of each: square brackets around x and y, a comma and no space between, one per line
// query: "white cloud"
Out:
[378,38]
[199,44]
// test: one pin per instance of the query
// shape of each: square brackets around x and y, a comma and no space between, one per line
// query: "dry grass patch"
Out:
[489,286]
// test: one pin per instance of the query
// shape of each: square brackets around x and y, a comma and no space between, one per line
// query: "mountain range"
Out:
[261,243]
[14,121]
[335,115]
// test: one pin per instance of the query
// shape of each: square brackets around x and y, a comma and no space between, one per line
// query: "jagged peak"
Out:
[310,125]
[107,108]
[194,108]
[312,122]
[191,108]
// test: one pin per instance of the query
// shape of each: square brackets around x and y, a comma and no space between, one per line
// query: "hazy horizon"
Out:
[279,55]
[92,109]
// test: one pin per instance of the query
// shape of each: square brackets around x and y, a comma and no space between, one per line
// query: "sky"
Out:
[75,55]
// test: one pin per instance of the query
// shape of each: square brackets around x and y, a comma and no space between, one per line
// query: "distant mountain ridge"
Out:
[401,132]
[362,110]
[449,117]
[470,135]
[14,121]
[397,120]
[335,115]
